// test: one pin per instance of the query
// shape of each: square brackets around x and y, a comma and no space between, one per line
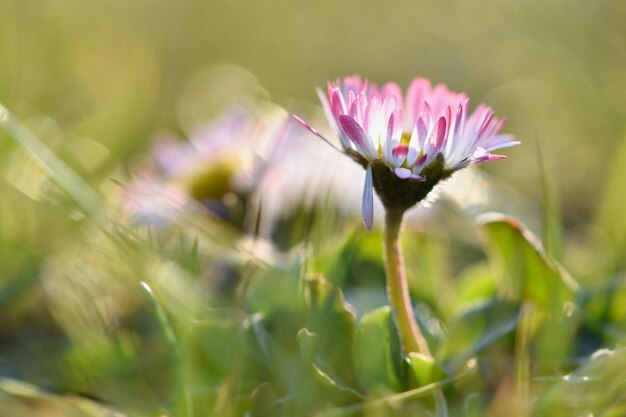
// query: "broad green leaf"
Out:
[326,343]
[333,381]
[323,297]
[429,271]
[356,262]
[309,344]
[343,257]
[332,319]
[423,369]
[527,275]
[479,328]
[474,284]
[524,271]
[377,351]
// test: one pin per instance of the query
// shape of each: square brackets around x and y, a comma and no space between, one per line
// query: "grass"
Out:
[219,330]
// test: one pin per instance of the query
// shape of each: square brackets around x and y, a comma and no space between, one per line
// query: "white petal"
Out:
[406,174]
[501,141]
[327,111]
[315,132]
[358,136]
[414,148]
[393,136]
[367,208]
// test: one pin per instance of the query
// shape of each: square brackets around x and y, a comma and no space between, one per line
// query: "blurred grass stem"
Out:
[55,168]
[184,403]
[397,286]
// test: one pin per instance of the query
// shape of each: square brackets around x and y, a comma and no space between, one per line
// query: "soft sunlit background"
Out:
[98,82]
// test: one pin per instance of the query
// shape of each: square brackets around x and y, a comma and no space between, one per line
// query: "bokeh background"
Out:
[113,72]
[97,80]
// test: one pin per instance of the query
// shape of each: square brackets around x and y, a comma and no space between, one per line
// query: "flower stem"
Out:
[397,286]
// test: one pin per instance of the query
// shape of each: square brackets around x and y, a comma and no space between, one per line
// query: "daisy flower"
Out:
[223,160]
[407,144]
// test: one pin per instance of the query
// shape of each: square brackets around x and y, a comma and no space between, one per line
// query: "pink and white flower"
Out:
[423,137]
[240,142]
[224,158]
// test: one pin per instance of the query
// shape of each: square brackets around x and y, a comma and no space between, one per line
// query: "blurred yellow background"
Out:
[114,72]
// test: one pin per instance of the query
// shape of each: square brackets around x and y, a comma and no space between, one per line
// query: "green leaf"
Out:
[333,381]
[474,284]
[332,319]
[18,398]
[342,260]
[377,351]
[309,346]
[524,271]
[423,369]
[478,329]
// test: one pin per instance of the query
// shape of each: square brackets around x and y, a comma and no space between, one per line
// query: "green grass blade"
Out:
[413,394]
[76,187]
[551,205]
[185,406]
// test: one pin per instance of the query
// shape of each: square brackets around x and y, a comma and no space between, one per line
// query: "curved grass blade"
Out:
[186,405]
[76,187]
[413,394]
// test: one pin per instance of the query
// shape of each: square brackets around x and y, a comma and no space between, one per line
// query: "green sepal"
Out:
[398,194]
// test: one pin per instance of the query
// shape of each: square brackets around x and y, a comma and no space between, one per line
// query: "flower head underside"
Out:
[407,144]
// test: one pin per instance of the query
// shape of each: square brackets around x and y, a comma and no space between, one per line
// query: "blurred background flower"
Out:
[249,167]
